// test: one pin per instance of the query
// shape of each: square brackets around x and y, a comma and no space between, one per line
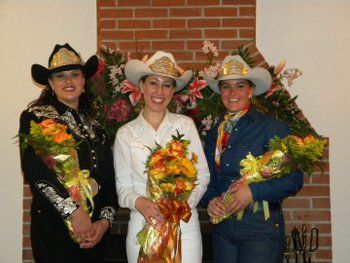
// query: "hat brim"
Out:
[41,74]
[136,69]
[259,76]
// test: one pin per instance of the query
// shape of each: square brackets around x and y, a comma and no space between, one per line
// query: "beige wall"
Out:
[29,31]
[314,36]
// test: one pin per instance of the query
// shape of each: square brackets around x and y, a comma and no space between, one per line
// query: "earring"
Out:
[52,92]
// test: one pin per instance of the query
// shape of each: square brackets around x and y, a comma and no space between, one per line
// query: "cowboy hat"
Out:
[234,67]
[162,64]
[63,58]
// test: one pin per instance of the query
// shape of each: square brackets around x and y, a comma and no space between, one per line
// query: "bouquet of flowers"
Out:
[283,156]
[171,179]
[57,148]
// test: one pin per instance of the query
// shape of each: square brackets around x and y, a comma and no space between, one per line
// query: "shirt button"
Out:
[94,158]
[95,165]
[227,165]
[236,129]
[92,151]
[229,146]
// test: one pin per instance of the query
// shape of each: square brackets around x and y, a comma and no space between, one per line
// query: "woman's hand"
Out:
[241,198]
[149,210]
[82,225]
[216,207]
[99,229]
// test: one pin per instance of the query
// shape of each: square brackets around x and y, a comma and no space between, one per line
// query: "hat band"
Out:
[233,67]
[164,66]
[64,57]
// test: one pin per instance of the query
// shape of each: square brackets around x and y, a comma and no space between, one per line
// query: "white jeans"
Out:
[191,239]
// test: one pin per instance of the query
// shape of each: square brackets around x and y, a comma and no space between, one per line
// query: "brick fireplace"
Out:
[180,27]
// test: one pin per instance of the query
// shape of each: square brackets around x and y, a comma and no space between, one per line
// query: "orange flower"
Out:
[184,185]
[158,156]
[61,137]
[308,139]
[176,149]
[297,139]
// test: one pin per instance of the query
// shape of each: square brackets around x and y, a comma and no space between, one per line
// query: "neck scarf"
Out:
[224,132]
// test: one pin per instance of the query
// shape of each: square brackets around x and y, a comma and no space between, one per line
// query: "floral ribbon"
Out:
[224,132]
[174,211]
[84,184]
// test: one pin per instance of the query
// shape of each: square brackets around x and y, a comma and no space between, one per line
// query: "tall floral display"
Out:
[118,101]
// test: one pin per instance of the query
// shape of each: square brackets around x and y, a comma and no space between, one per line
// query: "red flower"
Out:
[194,113]
[100,68]
[50,162]
[194,89]
[135,94]
[119,111]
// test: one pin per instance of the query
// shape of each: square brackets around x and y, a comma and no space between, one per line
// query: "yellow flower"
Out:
[187,168]
[157,172]
[194,157]
[172,169]
[167,187]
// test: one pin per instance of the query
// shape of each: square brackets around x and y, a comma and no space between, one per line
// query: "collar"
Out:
[141,124]
[62,108]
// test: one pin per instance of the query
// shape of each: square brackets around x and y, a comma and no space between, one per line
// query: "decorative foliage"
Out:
[118,101]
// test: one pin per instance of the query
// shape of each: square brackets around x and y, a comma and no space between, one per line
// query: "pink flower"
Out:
[135,92]
[119,111]
[194,90]
[210,47]
[100,68]
[180,100]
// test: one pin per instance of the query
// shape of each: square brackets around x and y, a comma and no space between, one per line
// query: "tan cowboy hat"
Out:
[162,64]
[234,67]
[62,58]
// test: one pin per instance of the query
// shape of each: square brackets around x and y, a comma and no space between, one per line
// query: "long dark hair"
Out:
[86,99]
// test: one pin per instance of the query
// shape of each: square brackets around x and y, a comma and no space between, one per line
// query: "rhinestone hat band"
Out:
[64,57]
[233,67]
[164,66]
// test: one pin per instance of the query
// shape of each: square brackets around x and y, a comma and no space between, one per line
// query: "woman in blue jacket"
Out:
[242,130]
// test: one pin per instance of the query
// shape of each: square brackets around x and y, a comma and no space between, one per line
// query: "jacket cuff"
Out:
[64,205]
[108,213]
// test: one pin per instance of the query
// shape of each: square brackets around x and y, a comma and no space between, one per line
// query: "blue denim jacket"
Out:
[251,134]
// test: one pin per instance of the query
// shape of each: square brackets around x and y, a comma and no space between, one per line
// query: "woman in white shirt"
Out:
[158,79]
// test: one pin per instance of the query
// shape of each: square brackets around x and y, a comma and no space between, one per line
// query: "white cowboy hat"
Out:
[234,67]
[162,64]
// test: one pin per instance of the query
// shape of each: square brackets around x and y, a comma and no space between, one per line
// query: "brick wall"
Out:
[180,26]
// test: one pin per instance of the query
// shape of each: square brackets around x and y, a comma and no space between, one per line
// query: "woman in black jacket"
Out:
[66,100]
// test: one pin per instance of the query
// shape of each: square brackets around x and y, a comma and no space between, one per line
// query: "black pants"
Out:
[51,242]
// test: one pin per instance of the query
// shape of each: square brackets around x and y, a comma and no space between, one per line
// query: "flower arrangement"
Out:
[57,148]
[283,156]
[171,179]
[118,101]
